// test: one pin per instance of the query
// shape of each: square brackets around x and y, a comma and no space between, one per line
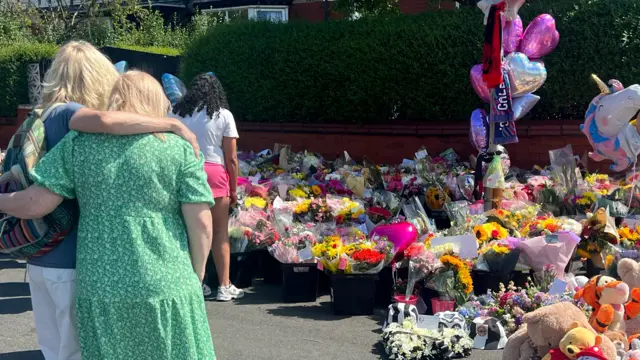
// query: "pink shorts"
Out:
[218,179]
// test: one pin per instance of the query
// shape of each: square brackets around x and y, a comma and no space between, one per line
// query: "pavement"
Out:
[258,327]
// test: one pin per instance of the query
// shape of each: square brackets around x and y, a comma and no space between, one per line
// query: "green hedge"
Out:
[13,70]
[151,49]
[13,73]
[416,67]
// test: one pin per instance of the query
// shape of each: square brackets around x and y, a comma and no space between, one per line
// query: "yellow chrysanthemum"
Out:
[255,201]
[297,193]
[302,207]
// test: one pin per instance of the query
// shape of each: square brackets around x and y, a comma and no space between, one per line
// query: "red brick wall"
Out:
[312,11]
[390,144]
[8,126]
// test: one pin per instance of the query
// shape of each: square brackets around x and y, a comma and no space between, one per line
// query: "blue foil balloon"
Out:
[121,67]
[173,87]
[479,130]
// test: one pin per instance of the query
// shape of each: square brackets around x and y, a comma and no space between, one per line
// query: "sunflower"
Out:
[316,190]
[481,233]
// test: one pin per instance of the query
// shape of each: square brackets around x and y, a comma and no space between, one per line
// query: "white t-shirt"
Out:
[210,131]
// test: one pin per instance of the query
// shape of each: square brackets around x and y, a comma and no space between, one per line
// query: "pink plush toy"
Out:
[607,124]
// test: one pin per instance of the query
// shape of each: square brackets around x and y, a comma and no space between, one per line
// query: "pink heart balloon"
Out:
[478,84]
[540,38]
[401,234]
[512,35]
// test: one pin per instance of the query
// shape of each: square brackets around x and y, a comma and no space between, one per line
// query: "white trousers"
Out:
[53,297]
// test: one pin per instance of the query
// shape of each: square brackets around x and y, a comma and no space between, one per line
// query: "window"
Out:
[260,13]
[268,14]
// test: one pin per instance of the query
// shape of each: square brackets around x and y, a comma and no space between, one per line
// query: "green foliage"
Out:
[370,70]
[363,8]
[151,49]
[13,73]
[412,68]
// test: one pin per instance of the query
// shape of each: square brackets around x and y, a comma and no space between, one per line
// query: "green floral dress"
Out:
[137,294]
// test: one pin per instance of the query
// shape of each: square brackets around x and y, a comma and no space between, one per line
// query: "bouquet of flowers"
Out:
[422,263]
[598,234]
[509,304]
[500,256]
[543,225]
[366,261]
[629,237]
[406,341]
[453,280]
[313,211]
[329,252]
[288,251]
[263,235]
[489,232]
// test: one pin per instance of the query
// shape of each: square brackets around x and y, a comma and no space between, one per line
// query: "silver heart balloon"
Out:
[522,105]
[525,76]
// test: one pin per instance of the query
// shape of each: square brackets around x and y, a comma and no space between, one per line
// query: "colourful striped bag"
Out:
[27,238]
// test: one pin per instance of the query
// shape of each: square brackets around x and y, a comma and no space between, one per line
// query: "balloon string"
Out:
[633,183]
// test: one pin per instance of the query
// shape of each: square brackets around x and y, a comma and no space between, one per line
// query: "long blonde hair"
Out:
[79,73]
[138,92]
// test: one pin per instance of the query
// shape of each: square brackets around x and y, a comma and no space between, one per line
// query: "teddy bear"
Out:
[592,353]
[629,272]
[574,341]
[634,353]
[621,342]
[607,296]
[543,329]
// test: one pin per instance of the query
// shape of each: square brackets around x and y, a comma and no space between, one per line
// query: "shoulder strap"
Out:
[49,110]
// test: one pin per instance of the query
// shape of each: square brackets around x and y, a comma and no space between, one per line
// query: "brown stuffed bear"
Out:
[629,272]
[543,329]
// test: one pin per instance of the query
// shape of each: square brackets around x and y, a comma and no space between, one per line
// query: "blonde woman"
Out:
[79,76]
[144,234]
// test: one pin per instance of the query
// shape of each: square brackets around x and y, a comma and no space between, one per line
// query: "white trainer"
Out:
[206,291]
[228,293]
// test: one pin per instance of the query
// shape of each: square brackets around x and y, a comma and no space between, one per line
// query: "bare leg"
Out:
[220,245]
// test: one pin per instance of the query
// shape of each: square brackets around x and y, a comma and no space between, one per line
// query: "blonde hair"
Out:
[138,92]
[79,73]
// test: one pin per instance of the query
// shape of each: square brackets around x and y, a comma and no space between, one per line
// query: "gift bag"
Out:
[555,250]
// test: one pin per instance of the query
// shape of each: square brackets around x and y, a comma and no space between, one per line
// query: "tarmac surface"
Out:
[258,327]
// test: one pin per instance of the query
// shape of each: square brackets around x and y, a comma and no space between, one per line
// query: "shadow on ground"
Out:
[314,311]
[7,262]
[23,355]
[14,306]
[14,289]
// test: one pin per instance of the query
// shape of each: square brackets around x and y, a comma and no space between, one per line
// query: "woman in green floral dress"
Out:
[143,236]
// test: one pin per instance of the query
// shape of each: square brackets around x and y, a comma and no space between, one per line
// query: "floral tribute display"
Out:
[350,219]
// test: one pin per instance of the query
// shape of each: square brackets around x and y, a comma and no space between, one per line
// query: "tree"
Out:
[357,8]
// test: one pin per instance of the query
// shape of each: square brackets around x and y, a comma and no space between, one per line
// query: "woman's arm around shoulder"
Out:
[32,203]
[123,123]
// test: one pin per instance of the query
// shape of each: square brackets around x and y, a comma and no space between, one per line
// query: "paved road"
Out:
[256,328]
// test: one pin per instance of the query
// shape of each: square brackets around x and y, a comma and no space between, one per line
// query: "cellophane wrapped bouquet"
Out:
[453,277]
[350,252]
[422,263]
[296,244]
[408,342]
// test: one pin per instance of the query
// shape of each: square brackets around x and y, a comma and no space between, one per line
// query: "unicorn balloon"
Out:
[607,125]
